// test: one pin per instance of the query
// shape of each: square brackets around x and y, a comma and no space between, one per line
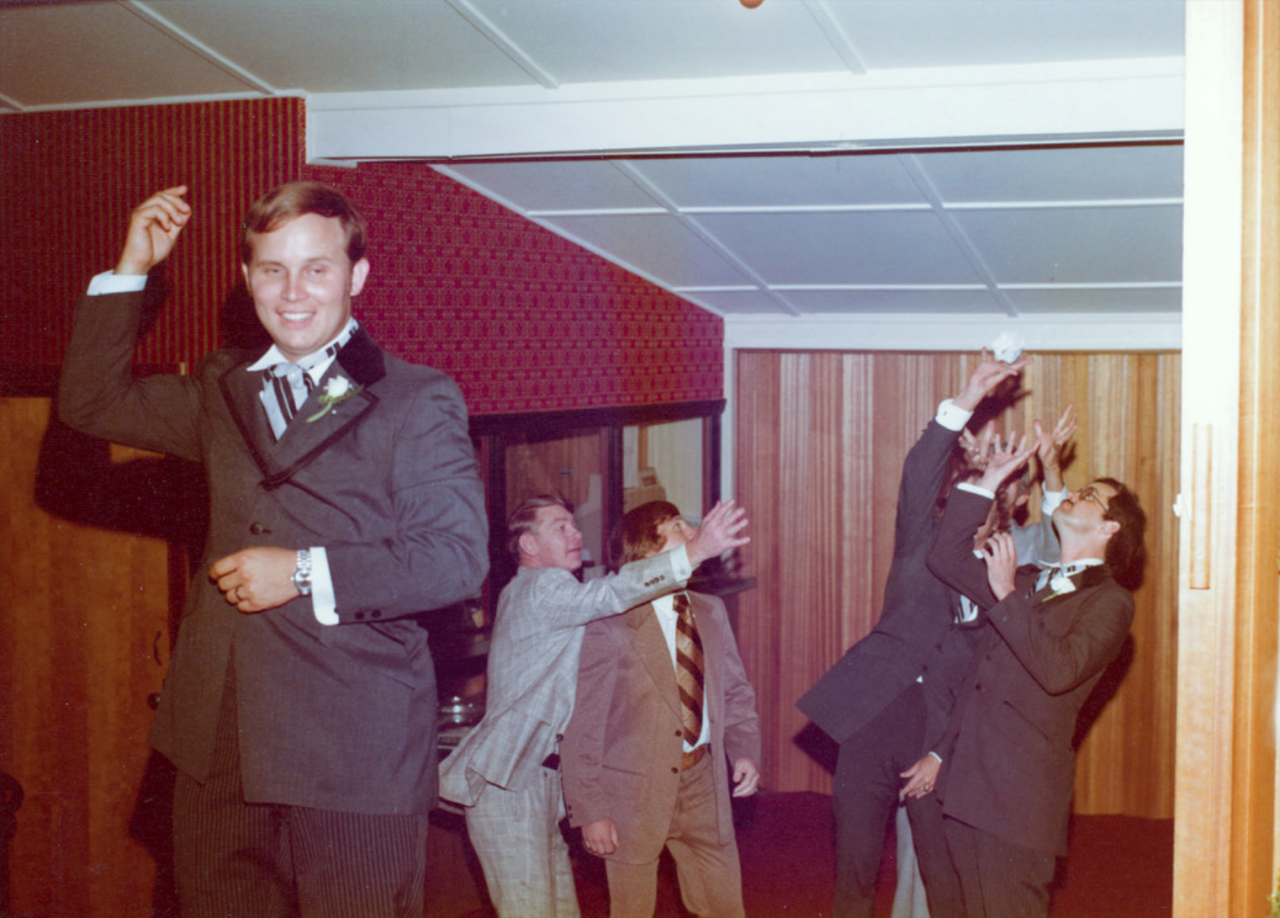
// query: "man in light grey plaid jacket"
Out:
[505,771]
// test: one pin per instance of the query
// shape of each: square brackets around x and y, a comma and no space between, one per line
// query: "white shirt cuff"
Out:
[975,489]
[110,282]
[680,566]
[1051,500]
[323,601]
[951,417]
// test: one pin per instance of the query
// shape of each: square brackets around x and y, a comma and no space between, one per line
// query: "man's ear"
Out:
[1022,500]
[1109,527]
[528,544]
[359,273]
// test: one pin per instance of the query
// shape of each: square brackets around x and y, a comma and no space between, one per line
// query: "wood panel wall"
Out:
[820,441]
[85,620]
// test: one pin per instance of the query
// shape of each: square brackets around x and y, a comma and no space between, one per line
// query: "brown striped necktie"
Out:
[688,669]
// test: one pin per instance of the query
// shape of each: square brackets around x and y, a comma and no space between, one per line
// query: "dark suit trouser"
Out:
[1000,879]
[248,860]
[866,788]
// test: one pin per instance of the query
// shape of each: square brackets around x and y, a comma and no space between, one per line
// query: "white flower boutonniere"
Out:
[336,390]
[1061,584]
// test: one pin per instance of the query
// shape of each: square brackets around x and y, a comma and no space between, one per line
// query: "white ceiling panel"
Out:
[693,39]
[856,247]
[895,302]
[565,185]
[653,246]
[945,33]
[1100,301]
[345,46]
[87,54]
[789,182]
[1101,173]
[1078,245]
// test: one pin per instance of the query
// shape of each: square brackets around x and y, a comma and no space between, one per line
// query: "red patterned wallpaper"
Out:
[522,319]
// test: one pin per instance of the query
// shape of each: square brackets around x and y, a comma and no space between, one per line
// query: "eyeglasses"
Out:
[1091,493]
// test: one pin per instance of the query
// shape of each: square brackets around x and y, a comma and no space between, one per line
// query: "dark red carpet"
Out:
[1119,866]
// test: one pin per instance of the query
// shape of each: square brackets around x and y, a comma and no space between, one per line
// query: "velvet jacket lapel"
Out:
[360,360]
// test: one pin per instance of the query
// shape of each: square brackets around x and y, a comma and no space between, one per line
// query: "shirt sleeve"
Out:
[324,601]
[952,417]
[110,282]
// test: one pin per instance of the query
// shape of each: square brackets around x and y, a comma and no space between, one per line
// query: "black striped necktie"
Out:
[688,669]
[286,386]
[285,389]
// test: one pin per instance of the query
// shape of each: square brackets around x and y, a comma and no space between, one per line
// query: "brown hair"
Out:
[525,519]
[638,531]
[1126,552]
[295,199]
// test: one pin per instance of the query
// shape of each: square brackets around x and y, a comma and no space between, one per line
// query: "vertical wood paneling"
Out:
[85,608]
[821,441]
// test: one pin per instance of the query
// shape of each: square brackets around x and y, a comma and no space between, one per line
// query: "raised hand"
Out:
[1050,447]
[1006,457]
[718,533]
[977,450]
[153,228]
[1001,556]
[986,376]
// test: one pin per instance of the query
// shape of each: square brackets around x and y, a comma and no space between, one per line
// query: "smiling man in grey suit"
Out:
[300,704]
[506,771]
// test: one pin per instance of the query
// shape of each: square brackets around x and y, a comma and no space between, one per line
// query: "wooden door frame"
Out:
[1225,804]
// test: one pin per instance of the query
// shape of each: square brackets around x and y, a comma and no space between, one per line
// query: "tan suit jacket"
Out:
[533,668]
[621,753]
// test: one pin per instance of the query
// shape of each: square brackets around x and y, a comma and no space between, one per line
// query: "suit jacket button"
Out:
[675,771]
[258,529]
[376,613]
[679,733]
[359,616]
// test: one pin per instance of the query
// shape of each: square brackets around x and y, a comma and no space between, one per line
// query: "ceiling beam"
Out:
[1093,102]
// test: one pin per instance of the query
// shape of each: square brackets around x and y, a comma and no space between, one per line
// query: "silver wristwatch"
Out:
[302,575]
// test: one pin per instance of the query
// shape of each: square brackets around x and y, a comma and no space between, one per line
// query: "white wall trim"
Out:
[1090,101]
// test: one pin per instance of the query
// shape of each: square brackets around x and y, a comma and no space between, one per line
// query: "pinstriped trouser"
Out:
[248,860]
[516,835]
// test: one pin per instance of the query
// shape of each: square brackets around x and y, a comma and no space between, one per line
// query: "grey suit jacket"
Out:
[621,753]
[533,670]
[914,634]
[1008,765]
[339,717]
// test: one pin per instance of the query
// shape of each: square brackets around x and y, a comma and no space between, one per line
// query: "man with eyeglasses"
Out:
[1005,766]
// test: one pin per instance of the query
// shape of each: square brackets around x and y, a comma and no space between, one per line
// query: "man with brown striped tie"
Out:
[663,710]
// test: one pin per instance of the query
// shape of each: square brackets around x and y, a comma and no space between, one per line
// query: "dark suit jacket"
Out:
[914,634]
[1008,763]
[339,717]
[620,756]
